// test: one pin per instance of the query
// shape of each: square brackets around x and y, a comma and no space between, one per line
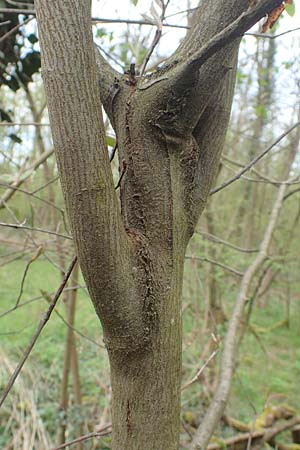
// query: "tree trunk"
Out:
[170,129]
[146,383]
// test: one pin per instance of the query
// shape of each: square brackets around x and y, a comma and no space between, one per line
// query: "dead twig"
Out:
[216,263]
[14,29]
[254,161]
[200,371]
[34,258]
[39,230]
[103,432]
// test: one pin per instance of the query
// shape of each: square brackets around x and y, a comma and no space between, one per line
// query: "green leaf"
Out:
[135,2]
[290,9]
[110,141]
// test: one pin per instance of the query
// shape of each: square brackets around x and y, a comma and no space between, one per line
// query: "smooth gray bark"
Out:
[170,128]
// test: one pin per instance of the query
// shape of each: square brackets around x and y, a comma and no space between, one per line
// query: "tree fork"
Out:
[170,129]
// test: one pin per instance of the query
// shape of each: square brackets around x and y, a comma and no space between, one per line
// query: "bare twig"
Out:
[30,194]
[218,240]
[254,161]
[10,159]
[43,186]
[113,151]
[272,36]
[189,10]
[94,19]
[34,258]
[157,36]
[216,263]
[20,4]
[24,124]
[34,299]
[103,432]
[68,324]
[17,11]
[291,193]
[200,371]
[40,230]
[124,168]
[7,22]
[14,29]
[22,177]
[36,335]
[266,180]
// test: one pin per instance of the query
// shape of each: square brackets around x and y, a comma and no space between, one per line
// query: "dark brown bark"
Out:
[170,128]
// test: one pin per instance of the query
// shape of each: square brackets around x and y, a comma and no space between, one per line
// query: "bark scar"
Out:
[128,419]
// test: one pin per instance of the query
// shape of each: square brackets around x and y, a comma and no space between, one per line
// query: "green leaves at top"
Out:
[135,2]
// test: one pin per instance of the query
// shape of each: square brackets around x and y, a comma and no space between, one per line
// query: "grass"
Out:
[259,375]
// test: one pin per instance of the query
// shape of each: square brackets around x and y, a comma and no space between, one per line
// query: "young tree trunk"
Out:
[170,128]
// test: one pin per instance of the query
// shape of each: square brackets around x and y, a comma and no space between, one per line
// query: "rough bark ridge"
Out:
[170,128]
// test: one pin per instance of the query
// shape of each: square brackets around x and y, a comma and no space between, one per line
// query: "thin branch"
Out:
[34,258]
[30,194]
[121,176]
[24,124]
[103,432]
[272,36]
[95,20]
[45,185]
[20,4]
[273,183]
[22,177]
[218,240]
[14,29]
[17,11]
[254,161]
[189,10]
[216,263]
[7,22]
[291,193]
[200,371]
[34,299]
[154,43]
[40,230]
[263,179]
[135,22]
[114,151]
[10,159]
[36,335]
[157,36]
[71,327]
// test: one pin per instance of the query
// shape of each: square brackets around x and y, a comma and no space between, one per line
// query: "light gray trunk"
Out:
[170,129]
